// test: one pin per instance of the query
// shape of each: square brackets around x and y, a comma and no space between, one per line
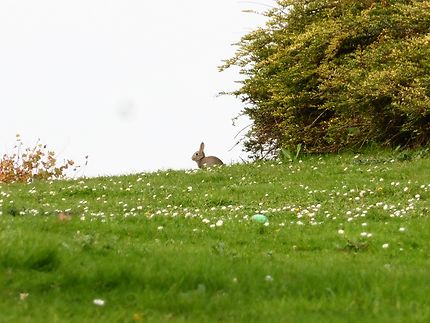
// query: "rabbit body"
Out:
[205,161]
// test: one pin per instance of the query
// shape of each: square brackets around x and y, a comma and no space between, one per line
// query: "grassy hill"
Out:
[347,240]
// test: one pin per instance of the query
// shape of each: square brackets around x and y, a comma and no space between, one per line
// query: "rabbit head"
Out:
[199,154]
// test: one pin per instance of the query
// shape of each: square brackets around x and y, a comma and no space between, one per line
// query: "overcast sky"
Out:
[131,83]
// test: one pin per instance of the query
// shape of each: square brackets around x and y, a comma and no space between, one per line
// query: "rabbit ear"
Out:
[202,146]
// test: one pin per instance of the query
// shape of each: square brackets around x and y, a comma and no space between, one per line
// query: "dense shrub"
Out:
[330,75]
[27,164]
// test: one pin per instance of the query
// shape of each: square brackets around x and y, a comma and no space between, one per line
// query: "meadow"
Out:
[347,240]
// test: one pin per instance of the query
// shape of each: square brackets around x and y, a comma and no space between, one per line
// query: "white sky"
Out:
[131,83]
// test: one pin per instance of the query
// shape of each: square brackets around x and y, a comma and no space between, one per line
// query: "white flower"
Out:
[402,229]
[189,188]
[268,278]
[340,231]
[160,228]
[385,245]
[99,302]
[219,223]
[23,296]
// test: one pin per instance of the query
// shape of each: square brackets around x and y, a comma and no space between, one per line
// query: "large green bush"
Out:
[331,75]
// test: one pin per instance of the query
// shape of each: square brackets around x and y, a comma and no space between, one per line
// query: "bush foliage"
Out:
[31,163]
[330,75]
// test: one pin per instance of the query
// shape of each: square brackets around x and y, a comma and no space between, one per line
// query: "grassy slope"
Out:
[148,245]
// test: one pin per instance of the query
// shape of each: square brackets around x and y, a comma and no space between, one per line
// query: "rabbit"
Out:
[203,161]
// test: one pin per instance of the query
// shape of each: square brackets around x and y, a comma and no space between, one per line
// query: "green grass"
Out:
[180,246]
